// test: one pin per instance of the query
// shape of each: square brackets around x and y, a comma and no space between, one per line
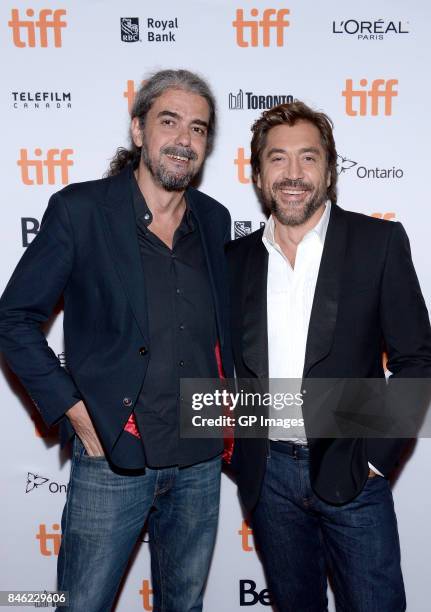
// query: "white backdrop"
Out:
[67,76]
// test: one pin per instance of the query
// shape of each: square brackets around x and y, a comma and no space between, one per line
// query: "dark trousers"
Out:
[302,539]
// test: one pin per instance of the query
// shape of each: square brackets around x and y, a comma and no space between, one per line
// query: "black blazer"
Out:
[367,296]
[87,250]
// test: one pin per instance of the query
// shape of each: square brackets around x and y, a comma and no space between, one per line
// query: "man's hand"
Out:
[371,473]
[83,426]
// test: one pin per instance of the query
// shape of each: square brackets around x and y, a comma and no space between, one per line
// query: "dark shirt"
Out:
[182,331]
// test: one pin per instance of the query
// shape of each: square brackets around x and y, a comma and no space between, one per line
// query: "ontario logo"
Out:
[35,481]
[344,164]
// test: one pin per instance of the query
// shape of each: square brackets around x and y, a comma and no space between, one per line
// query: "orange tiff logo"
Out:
[242,163]
[24,30]
[130,93]
[147,595]
[247,30]
[246,534]
[387,215]
[379,90]
[56,161]
[49,542]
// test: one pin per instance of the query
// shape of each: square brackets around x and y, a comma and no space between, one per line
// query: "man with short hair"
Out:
[316,294]
[139,259]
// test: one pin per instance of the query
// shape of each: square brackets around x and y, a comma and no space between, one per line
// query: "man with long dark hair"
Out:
[316,294]
[138,257]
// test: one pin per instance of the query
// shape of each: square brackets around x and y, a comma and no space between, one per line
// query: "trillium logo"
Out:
[344,164]
[34,481]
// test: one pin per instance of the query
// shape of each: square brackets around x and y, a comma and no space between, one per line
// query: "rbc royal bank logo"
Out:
[242,228]
[129,29]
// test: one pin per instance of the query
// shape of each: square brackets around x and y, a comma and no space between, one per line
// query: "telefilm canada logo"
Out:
[35,481]
[373,29]
[41,100]
[345,164]
[250,100]
[157,30]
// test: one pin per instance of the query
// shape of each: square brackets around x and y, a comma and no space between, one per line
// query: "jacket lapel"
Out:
[121,235]
[213,255]
[325,304]
[255,326]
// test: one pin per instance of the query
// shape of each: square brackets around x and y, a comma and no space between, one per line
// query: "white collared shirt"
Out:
[290,294]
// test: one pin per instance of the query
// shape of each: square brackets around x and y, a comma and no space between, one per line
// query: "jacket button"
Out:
[143,350]
[127,401]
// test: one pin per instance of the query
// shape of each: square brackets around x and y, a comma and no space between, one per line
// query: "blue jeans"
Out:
[104,516]
[301,539]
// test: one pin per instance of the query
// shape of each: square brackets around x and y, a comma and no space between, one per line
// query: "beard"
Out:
[169,180]
[295,212]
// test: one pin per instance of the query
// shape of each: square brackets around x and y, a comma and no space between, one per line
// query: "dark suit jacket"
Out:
[87,250]
[367,296]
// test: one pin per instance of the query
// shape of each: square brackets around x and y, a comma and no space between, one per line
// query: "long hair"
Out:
[289,114]
[150,90]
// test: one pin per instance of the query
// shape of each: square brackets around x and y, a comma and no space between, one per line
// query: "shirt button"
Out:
[143,350]
[127,401]
[146,216]
[181,326]
[181,363]
[177,291]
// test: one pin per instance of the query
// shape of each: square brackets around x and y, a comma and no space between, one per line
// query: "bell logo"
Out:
[49,543]
[147,595]
[55,158]
[242,163]
[24,30]
[387,215]
[249,596]
[246,533]
[379,89]
[272,19]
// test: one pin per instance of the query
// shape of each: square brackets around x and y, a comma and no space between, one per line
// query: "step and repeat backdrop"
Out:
[69,72]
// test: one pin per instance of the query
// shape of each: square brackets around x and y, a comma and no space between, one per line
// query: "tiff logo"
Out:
[49,542]
[147,595]
[388,216]
[242,163]
[54,159]
[246,534]
[380,89]
[24,30]
[272,20]
[130,93]
[236,102]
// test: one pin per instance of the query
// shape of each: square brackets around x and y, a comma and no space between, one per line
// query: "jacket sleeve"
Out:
[27,302]
[407,337]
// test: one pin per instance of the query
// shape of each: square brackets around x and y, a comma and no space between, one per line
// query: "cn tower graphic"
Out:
[236,101]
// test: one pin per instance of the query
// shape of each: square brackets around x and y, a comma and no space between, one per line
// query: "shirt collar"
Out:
[319,229]
[143,214]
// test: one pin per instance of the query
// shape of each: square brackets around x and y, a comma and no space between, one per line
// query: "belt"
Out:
[299,451]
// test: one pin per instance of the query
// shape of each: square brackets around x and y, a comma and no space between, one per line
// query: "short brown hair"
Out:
[289,114]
